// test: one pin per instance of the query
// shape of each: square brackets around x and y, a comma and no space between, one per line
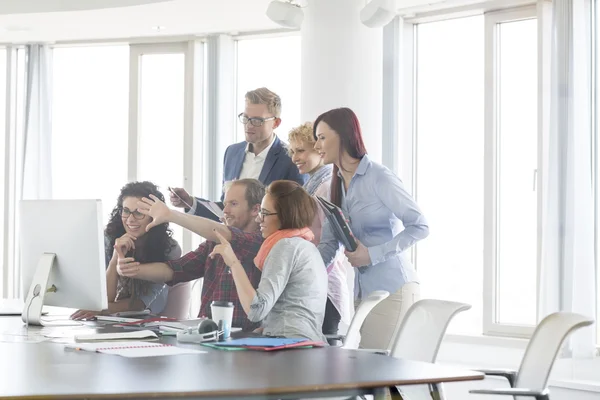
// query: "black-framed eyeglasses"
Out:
[254,121]
[126,212]
[264,213]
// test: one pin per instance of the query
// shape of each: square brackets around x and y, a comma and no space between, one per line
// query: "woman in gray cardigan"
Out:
[291,296]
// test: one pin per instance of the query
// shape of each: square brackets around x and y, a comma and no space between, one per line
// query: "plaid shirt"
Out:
[218,284]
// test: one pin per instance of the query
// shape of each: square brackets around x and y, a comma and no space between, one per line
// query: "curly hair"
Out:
[158,240]
[302,134]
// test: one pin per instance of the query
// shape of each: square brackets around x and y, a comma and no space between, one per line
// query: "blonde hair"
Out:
[265,96]
[302,134]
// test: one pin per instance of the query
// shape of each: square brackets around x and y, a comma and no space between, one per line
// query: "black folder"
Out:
[209,209]
[339,225]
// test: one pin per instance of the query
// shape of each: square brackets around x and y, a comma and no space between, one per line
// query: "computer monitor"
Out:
[62,252]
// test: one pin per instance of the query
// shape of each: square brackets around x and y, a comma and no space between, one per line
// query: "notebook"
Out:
[134,349]
[339,224]
[146,334]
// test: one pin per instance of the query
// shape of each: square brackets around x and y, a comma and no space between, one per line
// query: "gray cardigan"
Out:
[292,292]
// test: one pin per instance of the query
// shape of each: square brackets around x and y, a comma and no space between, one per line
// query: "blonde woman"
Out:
[308,161]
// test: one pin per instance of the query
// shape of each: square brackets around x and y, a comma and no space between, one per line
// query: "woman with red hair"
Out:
[384,218]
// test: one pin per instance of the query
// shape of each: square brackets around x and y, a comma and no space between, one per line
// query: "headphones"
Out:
[206,331]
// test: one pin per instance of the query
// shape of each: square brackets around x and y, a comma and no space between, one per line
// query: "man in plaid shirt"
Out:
[242,204]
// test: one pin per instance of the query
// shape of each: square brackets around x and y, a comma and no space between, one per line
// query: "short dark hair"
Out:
[255,190]
[295,207]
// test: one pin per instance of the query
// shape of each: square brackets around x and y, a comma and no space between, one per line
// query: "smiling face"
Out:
[305,157]
[328,144]
[268,220]
[134,222]
[237,212]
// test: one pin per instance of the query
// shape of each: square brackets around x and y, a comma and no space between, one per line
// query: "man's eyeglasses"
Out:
[264,213]
[126,212]
[254,121]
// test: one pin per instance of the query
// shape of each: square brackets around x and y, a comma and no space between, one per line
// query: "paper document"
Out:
[116,336]
[134,349]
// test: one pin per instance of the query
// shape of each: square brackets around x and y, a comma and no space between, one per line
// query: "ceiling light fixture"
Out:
[286,13]
[159,28]
[378,13]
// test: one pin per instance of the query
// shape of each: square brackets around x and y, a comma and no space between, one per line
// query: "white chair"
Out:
[532,378]
[178,301]
[420,336]
[352,338]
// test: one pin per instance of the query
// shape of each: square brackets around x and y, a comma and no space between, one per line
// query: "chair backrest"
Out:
[178,301]
[543,347]
[353,336]
[423,329]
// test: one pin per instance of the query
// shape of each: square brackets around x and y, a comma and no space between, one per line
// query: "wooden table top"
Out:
[47,369]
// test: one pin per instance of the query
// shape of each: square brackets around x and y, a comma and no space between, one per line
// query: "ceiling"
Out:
[24,21]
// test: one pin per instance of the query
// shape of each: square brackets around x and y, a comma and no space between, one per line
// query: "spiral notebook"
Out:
[134,349]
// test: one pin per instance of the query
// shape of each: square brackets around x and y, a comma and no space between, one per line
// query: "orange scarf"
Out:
[265,248]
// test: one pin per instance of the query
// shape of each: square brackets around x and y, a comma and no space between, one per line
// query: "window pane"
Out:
[90,123]
[281,76]
[449,163]
[517,163]
[2,158]
[161,123]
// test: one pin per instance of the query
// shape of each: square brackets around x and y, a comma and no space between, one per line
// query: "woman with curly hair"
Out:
[128,243]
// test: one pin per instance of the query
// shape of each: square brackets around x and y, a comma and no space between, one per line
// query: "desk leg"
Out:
[391,393]
[437,392]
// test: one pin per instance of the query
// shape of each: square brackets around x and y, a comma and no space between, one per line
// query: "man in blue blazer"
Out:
[261,156]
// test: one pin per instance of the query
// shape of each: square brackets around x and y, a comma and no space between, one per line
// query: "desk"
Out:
[48,370]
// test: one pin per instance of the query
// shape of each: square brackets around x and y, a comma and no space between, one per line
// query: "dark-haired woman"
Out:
[127,242]
[291,295]
[383,217]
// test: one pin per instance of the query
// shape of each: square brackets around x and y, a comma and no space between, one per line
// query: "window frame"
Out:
[408,136]
[193,105]
[491,326]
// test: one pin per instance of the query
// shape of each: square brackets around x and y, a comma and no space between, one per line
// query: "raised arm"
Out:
[161,214]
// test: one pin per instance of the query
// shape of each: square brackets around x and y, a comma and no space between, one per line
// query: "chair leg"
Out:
[436,391]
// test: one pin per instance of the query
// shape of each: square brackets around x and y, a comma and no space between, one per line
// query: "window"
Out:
[161,123]
[165,126]
[516,152]
[449,163]
[13,71]
[282,76]
[3,72]
[476,146]
[511,202]
[90,123]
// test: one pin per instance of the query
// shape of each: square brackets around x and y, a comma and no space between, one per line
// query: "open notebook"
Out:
[133,349]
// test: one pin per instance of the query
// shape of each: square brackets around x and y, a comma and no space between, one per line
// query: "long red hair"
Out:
[345,123]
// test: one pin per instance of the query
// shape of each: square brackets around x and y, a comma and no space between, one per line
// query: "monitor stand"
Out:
[32,309]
